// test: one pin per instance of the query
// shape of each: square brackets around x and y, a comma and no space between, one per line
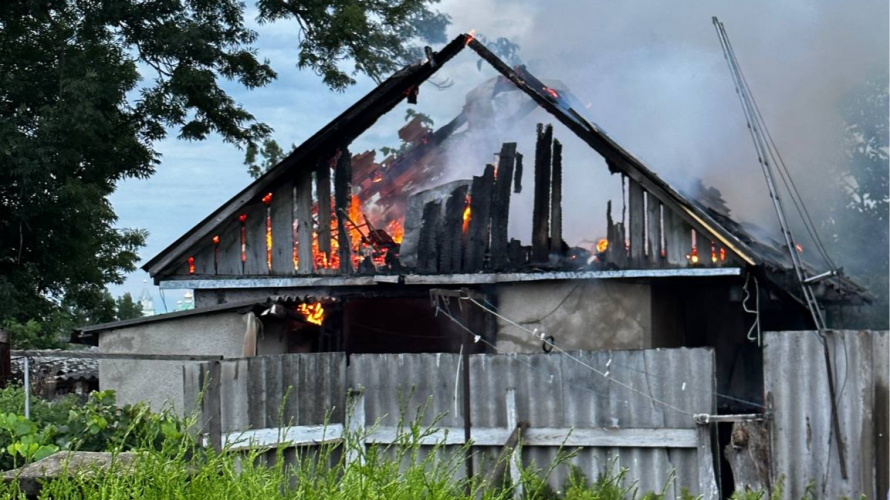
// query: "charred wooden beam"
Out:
[428,246]
[636,222]
[516,253]
[556,200]
[517,174]
[323,191]
[451,257]
[480,222]
[342,195]
[617,252]
[500,205]
[304,222]
[541,213]
[283,230]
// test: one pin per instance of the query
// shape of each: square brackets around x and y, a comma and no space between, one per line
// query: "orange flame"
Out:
[552,93]
[602,245]
[467,215]
[191,265]
[396,231]
[314,313]
[713,253]
[471,36]
[267,199]
[216,240]
[722,254]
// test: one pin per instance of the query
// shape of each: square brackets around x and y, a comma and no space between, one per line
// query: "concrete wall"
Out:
[160,383]
[585,315]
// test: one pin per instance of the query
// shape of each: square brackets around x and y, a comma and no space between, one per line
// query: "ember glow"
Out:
[798,247]
[722,254]
[191,265]
[602,245]
[713,253]
[550,92]
[216,240]
[314,313]
[267,199]
[471,36]
[396,231]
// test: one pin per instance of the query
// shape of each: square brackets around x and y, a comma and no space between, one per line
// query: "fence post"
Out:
[355,415]
[516,456]
[213,406]
[707,480]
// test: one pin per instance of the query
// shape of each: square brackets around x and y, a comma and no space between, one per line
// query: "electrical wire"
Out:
[756,310]
[542,336]
[628,368]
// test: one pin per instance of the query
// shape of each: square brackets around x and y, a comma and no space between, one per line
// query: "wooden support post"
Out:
[500,206]
[653,233]
[283,230]
[636,222]
[515,253]
[556,201]
[517,174]
[451,257]
[707,477]
[342,199]
[617,251]
[323,191]
[304,222]
[541,213]
[480,220]
[466,345]
[428,246]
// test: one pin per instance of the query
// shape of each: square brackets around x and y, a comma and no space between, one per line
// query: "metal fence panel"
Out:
[804,448]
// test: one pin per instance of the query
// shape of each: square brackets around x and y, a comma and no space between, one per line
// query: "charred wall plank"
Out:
[255,262]
[204,260]
[283,230]
[653,229]
[304,222]
[323,191]
[636,222]
[556,200]
[428,246]
[230,249]
[517,175]
[500,206]
[541,213]
[480,210]
[342,195]
[451,257]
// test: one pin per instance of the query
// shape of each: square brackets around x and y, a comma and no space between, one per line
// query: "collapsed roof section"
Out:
[708,219]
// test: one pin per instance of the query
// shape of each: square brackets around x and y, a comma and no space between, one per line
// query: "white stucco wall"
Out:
[600,314]
[160,383]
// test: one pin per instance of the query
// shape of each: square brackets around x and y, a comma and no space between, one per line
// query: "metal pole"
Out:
[27,387]
[465,359]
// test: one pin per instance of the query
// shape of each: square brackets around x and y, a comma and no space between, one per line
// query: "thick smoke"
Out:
[655,78]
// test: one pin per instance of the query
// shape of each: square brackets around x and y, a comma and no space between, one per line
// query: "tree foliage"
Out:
[260,160]
[858,225]
[88,87]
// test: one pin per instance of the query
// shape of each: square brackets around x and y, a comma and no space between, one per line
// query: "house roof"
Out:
[706,218]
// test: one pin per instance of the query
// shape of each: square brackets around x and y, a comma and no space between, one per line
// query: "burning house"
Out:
[344,247]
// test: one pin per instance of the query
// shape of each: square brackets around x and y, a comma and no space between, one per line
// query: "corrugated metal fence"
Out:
[648,429]
[804,448]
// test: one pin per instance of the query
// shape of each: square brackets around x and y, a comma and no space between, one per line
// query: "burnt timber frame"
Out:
[385,97]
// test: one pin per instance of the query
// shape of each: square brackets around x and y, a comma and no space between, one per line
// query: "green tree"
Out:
[858,225]
[260,159]
[127,308]
[88,87]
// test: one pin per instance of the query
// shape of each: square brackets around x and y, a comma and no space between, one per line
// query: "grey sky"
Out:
[652,71]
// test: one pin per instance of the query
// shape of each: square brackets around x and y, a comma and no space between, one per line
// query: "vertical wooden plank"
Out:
[516,455]
[677,236]
[517,174]
[515,253]
[256,396]
[556,201]
[356,425]
[304,221]
[213,409]
[290,373]
[636,222]
[653,233]
[707,478]
[451,257]
[283,230]
[480,220]
[541,213]
[230,249]
[204,260]
[255,241]
[500,206]
[276,393]
[342,198]
[323,191]
[704,249]
[428,246]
